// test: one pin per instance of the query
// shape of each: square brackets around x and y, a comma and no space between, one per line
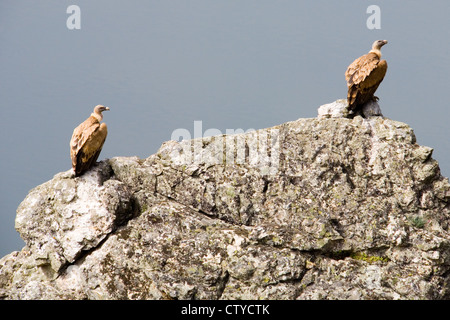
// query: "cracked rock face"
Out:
[327,208]
[59,221]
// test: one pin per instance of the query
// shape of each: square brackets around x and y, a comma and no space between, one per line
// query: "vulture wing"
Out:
[363,77]
[86,144]
[361,68]
[374,78]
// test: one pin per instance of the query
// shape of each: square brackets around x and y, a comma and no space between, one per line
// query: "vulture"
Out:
[364,75]
[87,141]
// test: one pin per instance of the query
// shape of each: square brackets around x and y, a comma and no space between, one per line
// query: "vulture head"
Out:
[99,109]
[98,112]
[376,46]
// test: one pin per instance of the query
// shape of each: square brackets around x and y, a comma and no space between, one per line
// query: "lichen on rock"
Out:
[324,208]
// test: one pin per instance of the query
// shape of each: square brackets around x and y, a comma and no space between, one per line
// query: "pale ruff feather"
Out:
[99,117]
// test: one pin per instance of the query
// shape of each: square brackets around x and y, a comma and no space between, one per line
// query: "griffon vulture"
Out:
[364,76]
[87,141]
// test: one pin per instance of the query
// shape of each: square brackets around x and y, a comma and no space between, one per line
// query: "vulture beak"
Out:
[106,109]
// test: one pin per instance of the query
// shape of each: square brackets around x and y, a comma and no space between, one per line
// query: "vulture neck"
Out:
[98,116]
[376,51]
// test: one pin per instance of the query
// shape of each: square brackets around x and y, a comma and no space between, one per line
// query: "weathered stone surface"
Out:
[326,208]
[336,109]
[339,109]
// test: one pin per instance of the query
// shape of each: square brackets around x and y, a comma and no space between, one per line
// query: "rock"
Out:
[371,109]
[326,208]
[75,215]
[339,109]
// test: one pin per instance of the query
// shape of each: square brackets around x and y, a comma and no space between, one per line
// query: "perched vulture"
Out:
[364,76]
[87,141]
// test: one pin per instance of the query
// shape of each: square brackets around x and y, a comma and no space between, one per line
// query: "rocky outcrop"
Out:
[326,208]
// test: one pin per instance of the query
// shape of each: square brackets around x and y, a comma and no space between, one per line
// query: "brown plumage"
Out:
[364,76]
[87,141]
